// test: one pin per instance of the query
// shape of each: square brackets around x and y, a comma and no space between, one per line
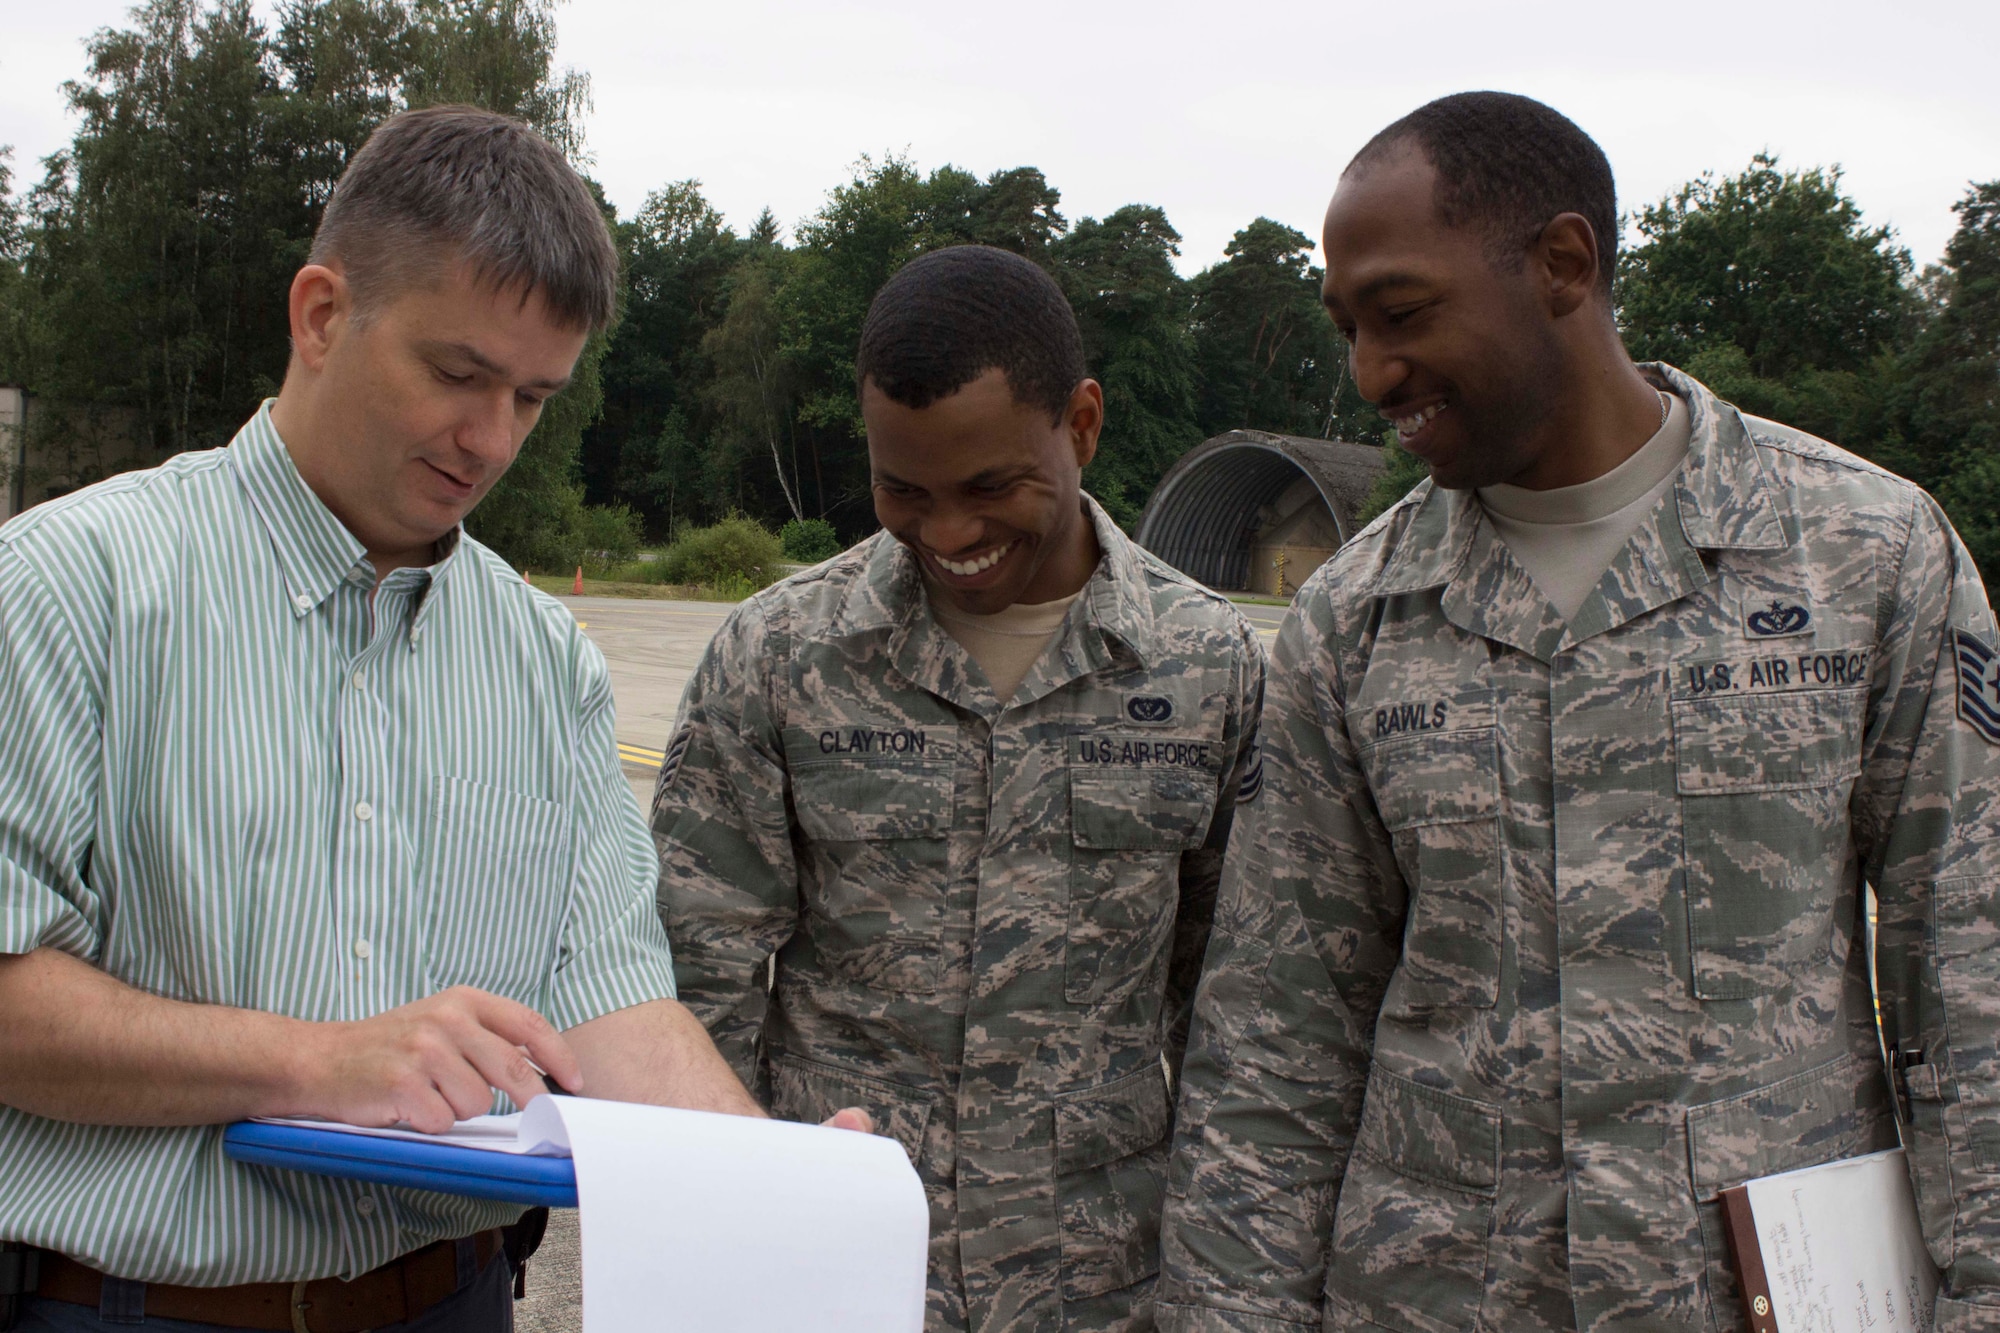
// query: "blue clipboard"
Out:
[548,1182]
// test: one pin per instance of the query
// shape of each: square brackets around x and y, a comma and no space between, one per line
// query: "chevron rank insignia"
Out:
[670,767]
[1252,781]
[1978,686]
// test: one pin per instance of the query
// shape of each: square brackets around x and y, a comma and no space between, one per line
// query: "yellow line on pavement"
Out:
[641,755]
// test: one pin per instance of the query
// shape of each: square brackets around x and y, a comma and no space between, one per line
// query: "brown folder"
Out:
[1751,1279]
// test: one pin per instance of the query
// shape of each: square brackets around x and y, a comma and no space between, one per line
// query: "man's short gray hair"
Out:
[455,183]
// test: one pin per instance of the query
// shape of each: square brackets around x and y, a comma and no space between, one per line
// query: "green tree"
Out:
[1944,430]
[156,251]
[1771,288]
[1268,356]
[158,245]
[752,392]
[678,255]
[1401,470]
[13,282]
[1135,312]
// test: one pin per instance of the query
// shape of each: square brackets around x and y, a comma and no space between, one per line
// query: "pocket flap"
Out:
[1430,1135]
[1835,1110]
[1162,811]
[1103,1124]
[857,795]
[1446,778]
[809,1092]
[1766,742]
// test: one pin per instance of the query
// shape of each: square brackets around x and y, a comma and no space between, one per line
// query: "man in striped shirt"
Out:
[309,806]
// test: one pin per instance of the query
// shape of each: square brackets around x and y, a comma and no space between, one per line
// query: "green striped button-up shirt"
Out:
[230,775]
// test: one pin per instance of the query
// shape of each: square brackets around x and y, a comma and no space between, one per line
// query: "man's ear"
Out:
[1566,254]
[321,304]
[1085,418]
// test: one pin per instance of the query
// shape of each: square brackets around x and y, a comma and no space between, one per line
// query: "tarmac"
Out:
[651,647]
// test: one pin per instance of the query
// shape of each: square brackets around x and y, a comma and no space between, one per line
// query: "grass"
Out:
[561,586]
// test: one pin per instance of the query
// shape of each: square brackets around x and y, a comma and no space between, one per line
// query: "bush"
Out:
[738,555]
[608,536]
[809,540]
[1401,470]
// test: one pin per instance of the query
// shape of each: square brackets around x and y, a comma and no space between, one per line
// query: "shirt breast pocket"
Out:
[1127,833]
[1764,781]
[875,845]
[496,880]
[1439,798]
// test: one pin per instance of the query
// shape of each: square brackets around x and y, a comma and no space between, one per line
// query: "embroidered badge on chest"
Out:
[1778,619]
[1152,709]
[1978,686]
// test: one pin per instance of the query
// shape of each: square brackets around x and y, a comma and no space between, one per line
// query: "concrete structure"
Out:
[47,450]
[13,448]
[1249,511]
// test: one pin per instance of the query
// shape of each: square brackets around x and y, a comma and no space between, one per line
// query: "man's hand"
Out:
[851,1117]
[433,1062]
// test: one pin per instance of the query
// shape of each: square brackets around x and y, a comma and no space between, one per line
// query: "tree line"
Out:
[145,272]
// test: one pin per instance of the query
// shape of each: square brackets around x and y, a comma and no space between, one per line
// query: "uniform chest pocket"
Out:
[1764,781]
[1127,833]
[874,854]
[496,880]
[1439,797]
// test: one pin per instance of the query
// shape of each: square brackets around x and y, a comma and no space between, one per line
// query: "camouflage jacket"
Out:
[987,920]
[1541,933]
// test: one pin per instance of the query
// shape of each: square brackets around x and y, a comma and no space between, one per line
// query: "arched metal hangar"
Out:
[1250,511]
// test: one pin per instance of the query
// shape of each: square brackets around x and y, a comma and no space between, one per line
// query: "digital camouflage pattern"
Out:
[1543,934]
[987,920]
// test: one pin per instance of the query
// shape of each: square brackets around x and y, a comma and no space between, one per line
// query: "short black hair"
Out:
[949,316]
[1508,164]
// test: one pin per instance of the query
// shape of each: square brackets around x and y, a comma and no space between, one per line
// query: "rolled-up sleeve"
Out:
[614,953]
[51,757]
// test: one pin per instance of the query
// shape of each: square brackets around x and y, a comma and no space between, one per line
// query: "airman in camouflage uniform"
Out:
[1590,896]
[987,917]
[1545,932]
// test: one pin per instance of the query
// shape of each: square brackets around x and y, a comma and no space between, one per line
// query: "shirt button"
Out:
[303,602]
[363,811]
[365,1205]
[362,949]
[359,682]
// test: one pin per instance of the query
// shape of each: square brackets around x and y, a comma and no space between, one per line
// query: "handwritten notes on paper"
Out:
[1842,1249]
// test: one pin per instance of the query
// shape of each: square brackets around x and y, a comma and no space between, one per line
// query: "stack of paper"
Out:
[1833,1249]
[715,1223]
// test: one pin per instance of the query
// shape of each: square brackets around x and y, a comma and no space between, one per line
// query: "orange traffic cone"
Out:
[576,589]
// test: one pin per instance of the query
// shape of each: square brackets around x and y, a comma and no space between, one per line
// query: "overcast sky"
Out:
[1218,112]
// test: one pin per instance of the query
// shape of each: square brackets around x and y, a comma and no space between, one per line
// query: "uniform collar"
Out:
[315,551]
[1111,622]
[1724,499]
[1728,499]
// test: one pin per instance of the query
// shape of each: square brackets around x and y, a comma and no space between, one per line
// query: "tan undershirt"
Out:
[1008,643]
[1568,537]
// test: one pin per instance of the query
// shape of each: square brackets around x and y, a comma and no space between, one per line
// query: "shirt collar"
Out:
[1725,498]
[890,596]
[1112,621]
[315,551]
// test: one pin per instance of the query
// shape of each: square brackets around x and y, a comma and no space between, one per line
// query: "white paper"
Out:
[1843,1249]
[723,1224]
[527,1136]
